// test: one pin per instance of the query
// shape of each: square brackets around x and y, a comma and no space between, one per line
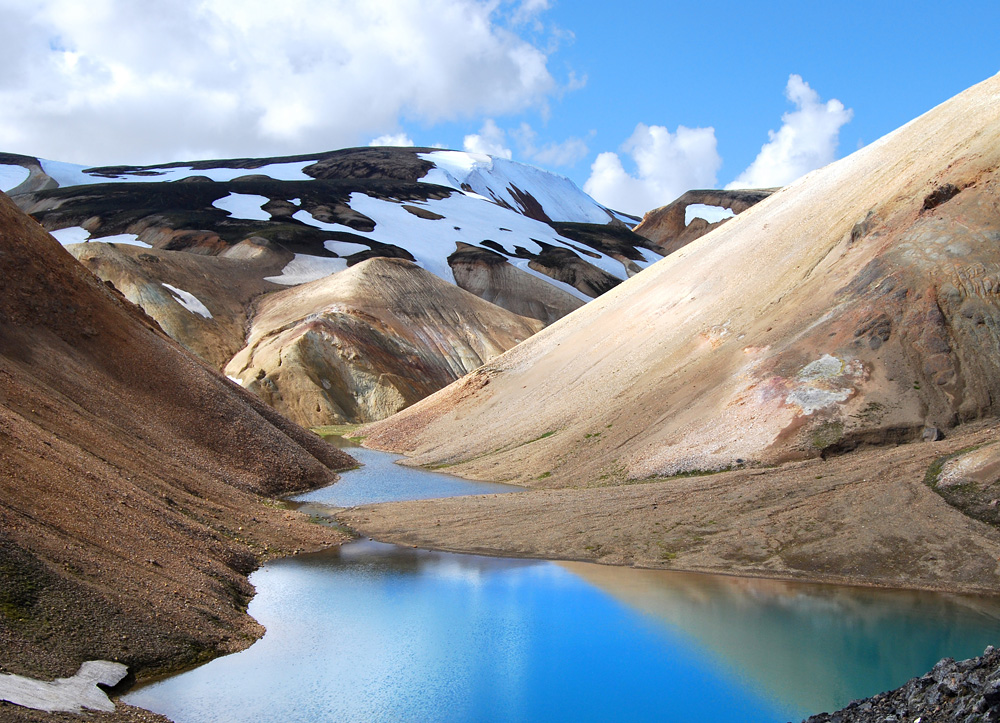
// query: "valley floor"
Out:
[866,518]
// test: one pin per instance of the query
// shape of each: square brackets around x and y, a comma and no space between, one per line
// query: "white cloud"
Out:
[807,139]
[667,164]
[491,140]
[393,139]
[122,81]
[528,10]
[562,154]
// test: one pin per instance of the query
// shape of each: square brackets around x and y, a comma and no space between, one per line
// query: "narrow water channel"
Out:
[375,632]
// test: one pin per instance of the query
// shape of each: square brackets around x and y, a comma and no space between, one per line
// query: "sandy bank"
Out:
[864,518]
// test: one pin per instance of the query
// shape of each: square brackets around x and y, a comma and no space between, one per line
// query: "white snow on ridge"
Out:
[494,178]
[71,235]
[12,176]
[245,206]
[344,248]
[467,219]
[189,301]
[80,235]
[69,174]
[712,214]
[305,268]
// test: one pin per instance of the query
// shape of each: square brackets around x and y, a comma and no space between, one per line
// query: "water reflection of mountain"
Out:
[807,644]
[379,557]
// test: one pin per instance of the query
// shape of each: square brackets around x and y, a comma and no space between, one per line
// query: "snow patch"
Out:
[712,214]
[69,174]
[344,248]
[305,268]
[496,179]
[467,219]
[234,380]
[65,695]
[71,235]
[189,301]
[12,176]
[245,206]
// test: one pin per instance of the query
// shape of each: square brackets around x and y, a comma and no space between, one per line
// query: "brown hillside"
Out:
[132,477]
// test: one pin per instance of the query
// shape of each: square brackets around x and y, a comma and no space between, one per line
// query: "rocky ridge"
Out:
[966,691]
[672,227]
[198,245]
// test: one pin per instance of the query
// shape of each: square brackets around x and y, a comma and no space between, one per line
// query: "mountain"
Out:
[199,245]
[852,311]
[387,335]
[134,479]
[694,214]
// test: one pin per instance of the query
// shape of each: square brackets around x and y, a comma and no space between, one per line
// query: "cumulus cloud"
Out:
[491,140]
[120,81]
[667,164]
[807,139]
[392,139]
[562,154]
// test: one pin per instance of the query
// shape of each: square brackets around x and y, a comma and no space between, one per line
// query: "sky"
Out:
[636,101]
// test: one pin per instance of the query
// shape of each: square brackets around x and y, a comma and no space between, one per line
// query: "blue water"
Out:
[381,480]
[375,632]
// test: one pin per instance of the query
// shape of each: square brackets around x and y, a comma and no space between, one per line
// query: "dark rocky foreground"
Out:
[967,691]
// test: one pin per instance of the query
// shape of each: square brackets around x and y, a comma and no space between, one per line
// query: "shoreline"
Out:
[863,519]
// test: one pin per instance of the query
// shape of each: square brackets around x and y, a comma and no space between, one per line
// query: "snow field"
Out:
[244,205]
[494,178]
[12,176]
[69,174]
[189,301]
[305,268]
[467,219]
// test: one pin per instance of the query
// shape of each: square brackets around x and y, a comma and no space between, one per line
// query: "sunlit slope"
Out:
[369,341]
[855,306]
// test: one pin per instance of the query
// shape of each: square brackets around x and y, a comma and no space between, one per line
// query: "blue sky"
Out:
[563,84]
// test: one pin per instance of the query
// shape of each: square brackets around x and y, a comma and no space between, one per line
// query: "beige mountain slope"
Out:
[225,285]
[369,341]
[856,306]
[133,478]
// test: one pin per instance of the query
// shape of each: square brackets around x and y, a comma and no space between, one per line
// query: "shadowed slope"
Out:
[131,477]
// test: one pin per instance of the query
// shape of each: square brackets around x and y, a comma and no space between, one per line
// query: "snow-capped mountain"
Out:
[200,244]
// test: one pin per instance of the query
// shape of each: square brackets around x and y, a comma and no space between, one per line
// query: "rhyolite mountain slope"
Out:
[134,479]
[221,235]
[858,305]
[386,335]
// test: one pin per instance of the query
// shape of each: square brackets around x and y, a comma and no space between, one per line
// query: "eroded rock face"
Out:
[490,276]
[839,312]
[669,228]
[213,323]
[364,343]
[967,690]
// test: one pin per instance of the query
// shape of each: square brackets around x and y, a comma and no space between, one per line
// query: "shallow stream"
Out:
[376,632]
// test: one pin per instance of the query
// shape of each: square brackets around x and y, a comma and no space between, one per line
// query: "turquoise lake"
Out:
[376,632]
